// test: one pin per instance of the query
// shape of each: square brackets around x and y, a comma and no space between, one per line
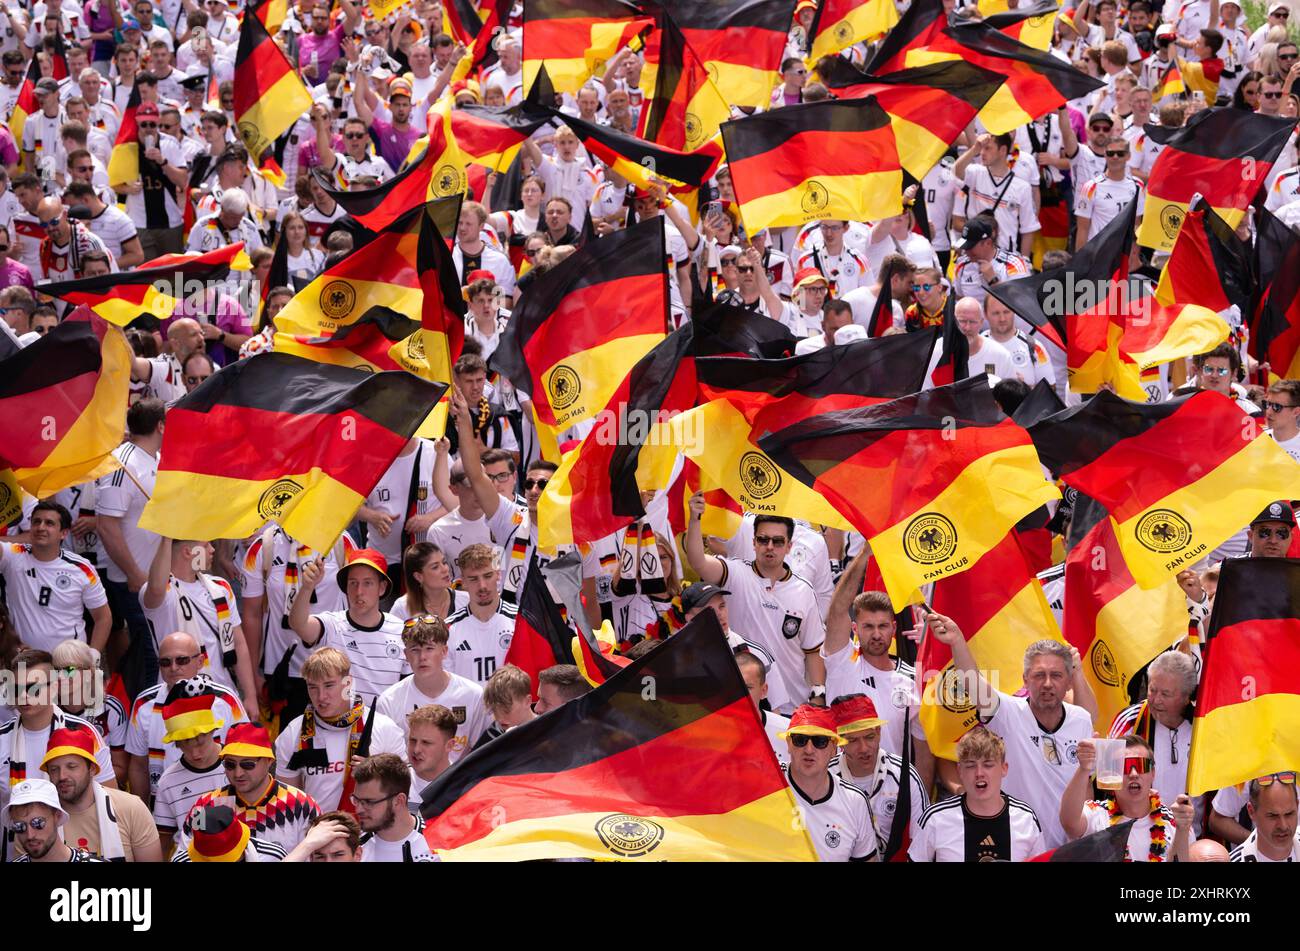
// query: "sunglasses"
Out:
[1282,533]
[1287,55]
[1276,407]
[1282,14]
[1286,779]
[166,662]
[147,125]
[746,269]
[764,540]
[247,765]
[19,827]
[84,169]
[1143,764]
[536,483]
[50,225]
[531,252]
[1271,95]
[354,135]
[1216,371]
[924,287]
[800,740]
[1114,154]
[422,619]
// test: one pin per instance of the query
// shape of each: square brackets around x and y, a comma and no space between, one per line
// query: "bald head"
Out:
[969,314]
[179,657]
[1207,850]
[185,337]
[52,213]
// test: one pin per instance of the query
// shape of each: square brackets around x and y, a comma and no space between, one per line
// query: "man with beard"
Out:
[36,821]
[876,772]
[1149,838]
[1273,810]
[392,833]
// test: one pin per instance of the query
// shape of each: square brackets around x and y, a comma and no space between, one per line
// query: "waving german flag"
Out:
[1179,478]
[355,313]
[1001,609]
[1117,626]
[741,43]
[542,638]
[269,96]
[492,135]
[961,476]
[1254,639]
[477,29]
[63,405]
[1209,265]
[272,13]
[124,161]
[123,296]
[816,160]
[1224,155]
[1032,26]
[838,24]
[582,326]
[683,107]
[574,38]
[928,106]
[1275,306]
[596,491]
[741,399]
[324,436]
[610,776]
[26,105]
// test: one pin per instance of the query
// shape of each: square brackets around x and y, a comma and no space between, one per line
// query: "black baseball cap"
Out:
[975,231]
[1276,512]
[699,594]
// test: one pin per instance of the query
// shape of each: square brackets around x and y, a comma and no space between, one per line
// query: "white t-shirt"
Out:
[462,697]
[1292,445]
[475,649]
[1096,818]
[892,691]
[325,783]
[949,832]
[178,788]
[411,848]
[46,598]
[839,823]
[781,617]
[991,353]
[1029,358]
[189,606]
[882,788]
[1010,199]
[122,494]
[774,725]
[392,494]
[453,533]
[1102,199]
[1041,762]
[376,653]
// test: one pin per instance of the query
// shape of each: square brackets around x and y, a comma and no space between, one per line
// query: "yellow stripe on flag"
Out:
[1131,630]
[1162,219]
[601,370]
[1237,743]
[868,197]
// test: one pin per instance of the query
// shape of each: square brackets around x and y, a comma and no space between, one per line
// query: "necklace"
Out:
[1159,832]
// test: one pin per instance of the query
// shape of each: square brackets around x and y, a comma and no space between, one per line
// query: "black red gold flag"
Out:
[542,638]
[574,38]
[612,776]
[269,96]
[839,24]
[1275,302]
[683,107]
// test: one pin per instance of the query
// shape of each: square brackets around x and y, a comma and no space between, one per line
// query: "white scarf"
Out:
[639,567]
[110,835]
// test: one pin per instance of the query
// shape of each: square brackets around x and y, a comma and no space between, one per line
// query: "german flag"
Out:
[722,514]
[1209,265]
[272,14]
[609,776]
[1253,639]
[1117,626]
[542,637]
[574,38]
[11,499]
[723,330]
[1108,845]
[741,399]
[438,173]
[26,105]
[816,160]
[354,314]
[920,26]
[1209,156]
[1202,77]
[123,296]
[838,24]
[577,332]
[1275,306]
[594,653]
[597,491]
[70,385]
[324,436]
[642,162]
[684,108]
[741,43]
[491,135]
[269,96]
[1171,83]
[124,161]
[928,106]
[1000,606]
[477,29]
[1032,26]
[962,476]
[1178,478]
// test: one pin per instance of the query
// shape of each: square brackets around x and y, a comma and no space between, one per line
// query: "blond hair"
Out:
[478,555]
[326,662]
[429,630]
[981,743]
[505,688]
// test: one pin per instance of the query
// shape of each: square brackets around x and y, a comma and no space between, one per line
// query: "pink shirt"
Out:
[326,48]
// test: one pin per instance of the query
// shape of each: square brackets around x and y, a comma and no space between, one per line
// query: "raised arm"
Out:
[710,568]
[839,625]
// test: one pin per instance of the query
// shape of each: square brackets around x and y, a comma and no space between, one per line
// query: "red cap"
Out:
[248,739]
[72,741]
[220,835]
[809,275]
[147,109]
[479,275]
[362,556]
[854,715]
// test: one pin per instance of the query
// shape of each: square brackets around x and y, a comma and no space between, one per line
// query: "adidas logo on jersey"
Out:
[277,561]
[185,790]
[988,840]
[463,646]
[353,645]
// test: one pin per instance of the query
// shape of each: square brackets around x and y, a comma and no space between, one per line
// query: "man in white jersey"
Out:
[985,355]
[1272,809]
[1041,731]
[180,595]
[179,658]
[371,638]
[983,824]
[480,634]
[429,734]
[1104,197]
[47,589]
[321,748]
[390,832]
[770,605]
[426,645]
[401,506]
[994,186]
[836,814]
[876,772]
[1029,359]
[1282,413]
[464,525]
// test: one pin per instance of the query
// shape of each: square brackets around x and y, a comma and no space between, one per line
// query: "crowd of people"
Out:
[269,702]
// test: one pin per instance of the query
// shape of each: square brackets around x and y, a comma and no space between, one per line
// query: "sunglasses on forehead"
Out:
[1286,779]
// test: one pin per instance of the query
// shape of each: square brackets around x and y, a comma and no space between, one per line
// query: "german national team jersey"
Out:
[145,731]
[1101,200]
[406,488]
[882,788]
[282,815]
[204,608]
[412,848]
[839,822]
[178,788]
[46,598]
[475,649]
[1042,761]
[376,653]
[892,691]
[122,494]
[949,832]
[1248,851]
[462,696]
[324,783]
[774,725]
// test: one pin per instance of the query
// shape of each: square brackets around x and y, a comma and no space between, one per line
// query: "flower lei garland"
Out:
[1159,828]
